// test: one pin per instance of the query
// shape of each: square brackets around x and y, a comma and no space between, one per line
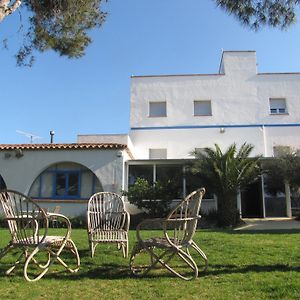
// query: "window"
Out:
[157,153]
[277,106]
[67,184]
[2,183]
[172,177]
[140,171]
[65,181]
[157,109]
[202,108]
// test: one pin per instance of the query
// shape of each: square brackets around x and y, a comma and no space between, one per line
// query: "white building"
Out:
[179,113]
[63,174]
[171,115]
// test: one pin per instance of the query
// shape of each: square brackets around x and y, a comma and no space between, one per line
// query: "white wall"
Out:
[240,99]
[20,173]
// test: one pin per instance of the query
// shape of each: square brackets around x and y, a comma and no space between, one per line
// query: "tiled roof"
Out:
[73,146]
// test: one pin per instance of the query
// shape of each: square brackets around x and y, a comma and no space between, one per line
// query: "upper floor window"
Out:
[202,108]
[278,106]
[158,109]
[157,153]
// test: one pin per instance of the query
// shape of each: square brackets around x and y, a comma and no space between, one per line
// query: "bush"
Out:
[78,221]
[153,199]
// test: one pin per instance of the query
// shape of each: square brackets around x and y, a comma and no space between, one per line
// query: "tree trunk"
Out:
[227,209]
[7,7]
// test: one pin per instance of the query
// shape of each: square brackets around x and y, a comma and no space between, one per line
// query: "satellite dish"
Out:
[31,136]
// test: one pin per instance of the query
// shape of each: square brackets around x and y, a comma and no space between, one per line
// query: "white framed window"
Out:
[157,153]
[202,108]
[158,109]
[278,106]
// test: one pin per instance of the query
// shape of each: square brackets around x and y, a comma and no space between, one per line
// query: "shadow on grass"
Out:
[116,272]
[233,269]
[245,232]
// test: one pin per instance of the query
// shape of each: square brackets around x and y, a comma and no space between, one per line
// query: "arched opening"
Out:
[65,181]
[2,183]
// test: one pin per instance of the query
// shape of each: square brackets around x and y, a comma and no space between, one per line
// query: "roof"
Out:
[175,75]
[73,146]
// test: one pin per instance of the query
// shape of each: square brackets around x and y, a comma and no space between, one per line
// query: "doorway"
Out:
[252,201]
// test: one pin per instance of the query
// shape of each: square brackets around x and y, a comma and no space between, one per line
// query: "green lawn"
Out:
[241,266]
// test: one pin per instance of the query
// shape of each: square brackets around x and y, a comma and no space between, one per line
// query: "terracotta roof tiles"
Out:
[73,146]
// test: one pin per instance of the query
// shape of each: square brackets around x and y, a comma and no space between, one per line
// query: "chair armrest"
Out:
[64,219]
[182,219]
[126,220]
[174,222]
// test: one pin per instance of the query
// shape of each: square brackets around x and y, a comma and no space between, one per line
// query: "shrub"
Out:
[154,199]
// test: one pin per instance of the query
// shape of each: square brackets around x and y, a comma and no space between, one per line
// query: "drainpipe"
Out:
[288,199]
[264,140]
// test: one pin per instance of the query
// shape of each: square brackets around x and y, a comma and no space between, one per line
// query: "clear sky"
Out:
[141,37]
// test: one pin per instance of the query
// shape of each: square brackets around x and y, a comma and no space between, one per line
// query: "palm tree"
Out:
[225,174]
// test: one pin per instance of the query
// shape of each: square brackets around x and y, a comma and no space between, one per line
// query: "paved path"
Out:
[269,224]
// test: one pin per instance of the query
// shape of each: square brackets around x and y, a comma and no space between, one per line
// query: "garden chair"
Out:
[107,221]
[28,225]
[176,240]
[56,210]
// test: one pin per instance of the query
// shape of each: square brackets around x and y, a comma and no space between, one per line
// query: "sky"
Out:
[91,95]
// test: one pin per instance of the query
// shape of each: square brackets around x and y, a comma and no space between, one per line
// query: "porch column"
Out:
[288,200]
[239,202]
[263,195]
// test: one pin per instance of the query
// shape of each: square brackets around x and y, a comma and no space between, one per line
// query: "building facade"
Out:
[170,117]
[63,175]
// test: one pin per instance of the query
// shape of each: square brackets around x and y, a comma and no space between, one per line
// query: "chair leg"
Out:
[155,259]
[17,262]
[124,246]
[30,259]
[92,249]
[72,247]
[139,270]
[201,253]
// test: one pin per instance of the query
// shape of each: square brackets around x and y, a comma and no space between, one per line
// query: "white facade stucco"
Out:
[240,109]
[19,173]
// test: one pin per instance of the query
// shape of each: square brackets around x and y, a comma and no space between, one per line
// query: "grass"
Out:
[242,265]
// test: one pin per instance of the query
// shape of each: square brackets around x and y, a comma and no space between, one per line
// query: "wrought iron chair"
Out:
[28,225]
[176,241]
[107,221]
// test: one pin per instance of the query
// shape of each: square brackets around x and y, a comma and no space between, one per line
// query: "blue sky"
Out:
[92,95]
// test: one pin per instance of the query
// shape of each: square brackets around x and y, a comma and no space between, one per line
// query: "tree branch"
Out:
[7,8]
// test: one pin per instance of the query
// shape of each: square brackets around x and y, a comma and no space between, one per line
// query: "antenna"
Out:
[31,136]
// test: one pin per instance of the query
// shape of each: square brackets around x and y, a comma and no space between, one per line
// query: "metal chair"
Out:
[28,225]
[107,221]
[176,241]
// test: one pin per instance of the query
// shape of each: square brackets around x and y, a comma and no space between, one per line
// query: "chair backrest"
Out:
[27,222]
[57,209]
[184,217]
[105,211]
